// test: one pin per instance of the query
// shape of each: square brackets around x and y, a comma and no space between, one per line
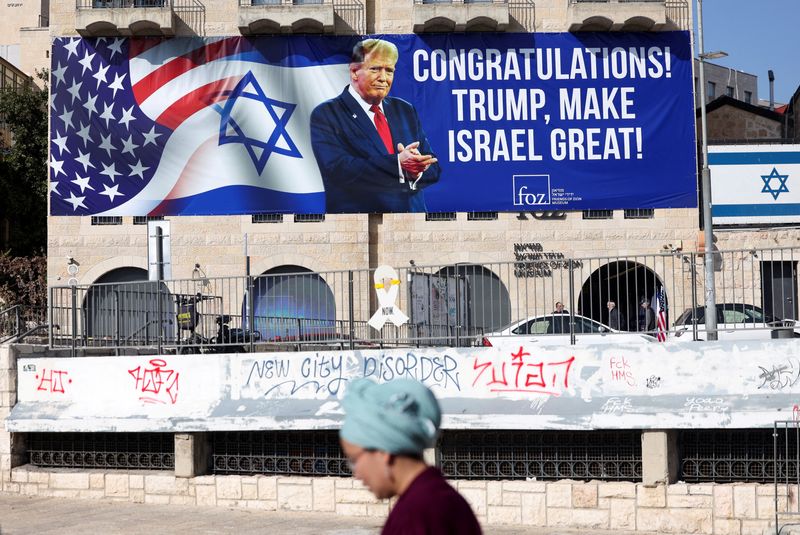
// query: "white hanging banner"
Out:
[387,288]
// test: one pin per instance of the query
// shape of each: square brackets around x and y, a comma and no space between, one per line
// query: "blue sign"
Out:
[438,123]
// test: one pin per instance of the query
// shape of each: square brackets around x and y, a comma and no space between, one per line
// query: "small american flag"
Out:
[660,308]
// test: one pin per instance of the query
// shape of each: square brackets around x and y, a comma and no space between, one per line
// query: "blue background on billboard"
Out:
[664,177]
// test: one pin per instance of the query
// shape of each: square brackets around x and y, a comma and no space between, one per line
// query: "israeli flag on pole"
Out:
[754,184]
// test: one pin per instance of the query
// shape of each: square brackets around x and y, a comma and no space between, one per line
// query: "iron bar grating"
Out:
[129,451]
[726,455]
[308,453]
[604,455]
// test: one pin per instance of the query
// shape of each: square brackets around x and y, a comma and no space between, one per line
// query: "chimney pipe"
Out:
[771,77]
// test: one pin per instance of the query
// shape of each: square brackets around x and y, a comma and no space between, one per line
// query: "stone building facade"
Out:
[362,241]
[733,121]
[25,35]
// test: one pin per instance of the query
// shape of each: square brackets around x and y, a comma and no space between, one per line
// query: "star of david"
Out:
[259,149]
[769,189]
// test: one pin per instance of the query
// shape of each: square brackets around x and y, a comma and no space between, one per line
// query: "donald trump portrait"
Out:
[371,150]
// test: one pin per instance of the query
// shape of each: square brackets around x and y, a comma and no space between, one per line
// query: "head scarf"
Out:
[401,416]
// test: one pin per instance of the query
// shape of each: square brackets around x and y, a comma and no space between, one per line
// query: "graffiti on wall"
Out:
[156,383]
[507,386]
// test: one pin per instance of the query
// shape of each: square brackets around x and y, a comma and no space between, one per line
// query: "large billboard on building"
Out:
[463,122]
[755,184]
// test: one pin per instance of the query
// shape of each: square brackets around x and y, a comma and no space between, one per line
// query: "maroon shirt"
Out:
[430,506]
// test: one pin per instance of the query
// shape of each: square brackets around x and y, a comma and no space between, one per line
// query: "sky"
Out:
[758,36]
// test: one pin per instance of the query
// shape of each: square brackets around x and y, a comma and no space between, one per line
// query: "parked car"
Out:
[555,329]
[735,321]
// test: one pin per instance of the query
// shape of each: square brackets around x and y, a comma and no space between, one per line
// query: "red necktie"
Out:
[383,128]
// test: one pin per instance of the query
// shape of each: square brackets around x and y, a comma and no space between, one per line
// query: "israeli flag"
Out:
[753,184]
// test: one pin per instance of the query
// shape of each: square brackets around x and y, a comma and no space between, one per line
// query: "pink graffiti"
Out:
[158,380]
[621,371]
[525,374]
[52,381]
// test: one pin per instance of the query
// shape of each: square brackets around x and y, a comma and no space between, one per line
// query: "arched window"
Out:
[292,303]
[487,302]
[626,283]
[121,308]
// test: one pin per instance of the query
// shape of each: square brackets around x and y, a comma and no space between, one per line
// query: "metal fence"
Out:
[128,451]
[786,475]
[17,322]
[454,305]
[118,4]
[582,455]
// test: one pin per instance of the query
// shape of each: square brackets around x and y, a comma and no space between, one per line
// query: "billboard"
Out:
[284,124]
[755,184]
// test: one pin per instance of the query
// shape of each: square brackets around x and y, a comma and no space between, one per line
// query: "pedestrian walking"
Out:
[615,319]
[386,429]
[647,318]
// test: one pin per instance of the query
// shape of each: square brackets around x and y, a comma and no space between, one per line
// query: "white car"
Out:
[735,321]
[554,329]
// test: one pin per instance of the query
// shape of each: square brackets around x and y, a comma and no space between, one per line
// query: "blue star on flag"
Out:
[259,150]
[769,189]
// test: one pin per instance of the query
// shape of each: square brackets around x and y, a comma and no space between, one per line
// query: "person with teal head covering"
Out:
[386,429]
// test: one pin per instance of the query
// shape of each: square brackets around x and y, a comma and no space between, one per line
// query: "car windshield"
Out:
[558,324]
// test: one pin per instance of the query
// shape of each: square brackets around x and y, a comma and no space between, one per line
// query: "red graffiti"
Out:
[796,413]
[158,380]
[52,381]
[525,375]
[621,371]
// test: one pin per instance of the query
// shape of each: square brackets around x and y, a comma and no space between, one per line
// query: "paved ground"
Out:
[22,515]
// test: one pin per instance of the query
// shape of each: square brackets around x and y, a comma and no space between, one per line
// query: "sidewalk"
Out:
[23,515]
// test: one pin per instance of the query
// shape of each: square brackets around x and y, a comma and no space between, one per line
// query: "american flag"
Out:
[659,305]
[186,125]
[103,149]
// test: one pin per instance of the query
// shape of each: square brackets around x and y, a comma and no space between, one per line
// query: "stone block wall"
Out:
[739,509]
[8,397]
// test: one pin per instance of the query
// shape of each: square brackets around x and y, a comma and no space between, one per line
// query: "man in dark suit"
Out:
[371,149]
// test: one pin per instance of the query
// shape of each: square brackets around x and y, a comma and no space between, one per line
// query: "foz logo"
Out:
[531,190]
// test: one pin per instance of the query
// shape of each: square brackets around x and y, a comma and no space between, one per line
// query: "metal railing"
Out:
[679,12]
[353,14]
[250,3]
[126,451]
[455,305]
[614,1]
[542,455]
[786,474]
[524,12]
[122,4]
[17,322]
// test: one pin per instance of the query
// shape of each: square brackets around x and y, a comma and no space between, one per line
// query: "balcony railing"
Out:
[122,4]
[756,292]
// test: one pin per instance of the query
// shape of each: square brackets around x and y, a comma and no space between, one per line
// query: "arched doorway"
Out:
[626,283]
[121,308]
[292,303]
[487,303]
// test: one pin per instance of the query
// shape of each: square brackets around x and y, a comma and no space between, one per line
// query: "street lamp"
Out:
[711,305]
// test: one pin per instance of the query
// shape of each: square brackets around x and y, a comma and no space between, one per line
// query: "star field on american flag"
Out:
[97,131]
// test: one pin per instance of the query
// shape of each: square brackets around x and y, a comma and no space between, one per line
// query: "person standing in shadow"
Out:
[615,318]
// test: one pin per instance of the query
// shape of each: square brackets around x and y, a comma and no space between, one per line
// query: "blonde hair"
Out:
[367,46]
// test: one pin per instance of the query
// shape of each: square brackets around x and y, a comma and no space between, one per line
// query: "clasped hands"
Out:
[411,161]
